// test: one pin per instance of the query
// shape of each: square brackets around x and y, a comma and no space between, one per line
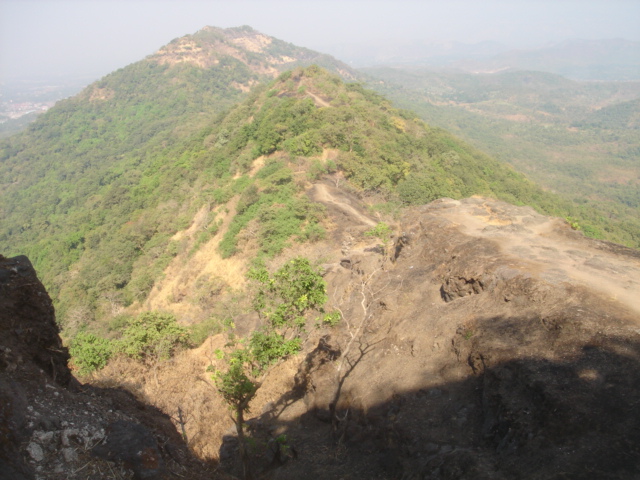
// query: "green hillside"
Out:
[96,209]
[579,140]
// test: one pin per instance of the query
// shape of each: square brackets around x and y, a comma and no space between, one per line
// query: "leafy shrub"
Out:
[248,198]
[294,289]
[90,352]
[270,168]
[221,195]
[573,223]
[269,347]
[421,189]
[312,233]
[316,170]
[331,319]
[119,322]
[153,336]
[199,332]
[381,231]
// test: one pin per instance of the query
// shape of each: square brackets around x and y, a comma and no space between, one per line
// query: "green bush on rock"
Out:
[153,336]
[90,352]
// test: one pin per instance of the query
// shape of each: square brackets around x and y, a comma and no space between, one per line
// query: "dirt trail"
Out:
[329,196]
[318,101]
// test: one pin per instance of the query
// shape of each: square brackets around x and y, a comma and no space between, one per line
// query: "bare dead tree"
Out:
[358,339]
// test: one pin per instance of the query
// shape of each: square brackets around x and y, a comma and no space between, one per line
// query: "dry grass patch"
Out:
[175,293]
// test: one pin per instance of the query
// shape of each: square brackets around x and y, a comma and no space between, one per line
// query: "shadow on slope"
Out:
[570,412]
[53,427]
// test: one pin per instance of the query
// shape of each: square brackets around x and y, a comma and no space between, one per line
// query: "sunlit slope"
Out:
[579,139]
[100,220]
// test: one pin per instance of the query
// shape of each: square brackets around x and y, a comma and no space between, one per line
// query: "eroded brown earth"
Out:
[54,428]
[487,342]
[484,341]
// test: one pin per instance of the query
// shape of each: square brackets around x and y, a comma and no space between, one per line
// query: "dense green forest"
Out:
[95,190]
[578,139]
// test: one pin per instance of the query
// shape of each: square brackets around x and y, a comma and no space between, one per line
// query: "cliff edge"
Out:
[51,426]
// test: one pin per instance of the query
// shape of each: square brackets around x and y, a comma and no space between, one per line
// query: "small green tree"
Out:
[238,389]
[283,300]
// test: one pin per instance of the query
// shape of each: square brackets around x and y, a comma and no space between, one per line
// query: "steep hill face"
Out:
[103,224]
[484,341]
[75,170]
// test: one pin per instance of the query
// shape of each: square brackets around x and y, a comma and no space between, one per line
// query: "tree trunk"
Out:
[244,455]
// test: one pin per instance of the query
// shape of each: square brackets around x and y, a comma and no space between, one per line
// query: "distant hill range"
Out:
[611,59]
[614,59]
[577,138]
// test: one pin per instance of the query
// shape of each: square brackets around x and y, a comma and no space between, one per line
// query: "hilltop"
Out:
[98,210]
[262,54]
[380,298]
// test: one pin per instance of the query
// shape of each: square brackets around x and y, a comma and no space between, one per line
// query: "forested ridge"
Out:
[94,201]
[578,139]
[95,191]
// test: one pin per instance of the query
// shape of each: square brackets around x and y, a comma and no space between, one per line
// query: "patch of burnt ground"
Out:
[474,362]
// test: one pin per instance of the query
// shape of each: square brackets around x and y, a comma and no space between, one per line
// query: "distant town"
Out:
[14,110]
[21,101]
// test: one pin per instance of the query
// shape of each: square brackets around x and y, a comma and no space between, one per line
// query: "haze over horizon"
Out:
[45,39]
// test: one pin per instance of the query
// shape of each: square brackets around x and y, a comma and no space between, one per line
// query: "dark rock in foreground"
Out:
[51,427]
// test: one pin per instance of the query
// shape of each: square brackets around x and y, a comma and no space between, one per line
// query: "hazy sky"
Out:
[94,37]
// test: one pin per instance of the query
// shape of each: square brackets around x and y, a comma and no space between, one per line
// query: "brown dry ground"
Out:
[54,428]
[485,341]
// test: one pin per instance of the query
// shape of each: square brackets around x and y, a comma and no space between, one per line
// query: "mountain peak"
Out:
[264,55]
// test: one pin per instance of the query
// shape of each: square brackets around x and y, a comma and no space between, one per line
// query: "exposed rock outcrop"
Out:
[486,342]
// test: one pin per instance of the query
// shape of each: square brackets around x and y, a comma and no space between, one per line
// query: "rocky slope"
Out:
[485,341]
[53,427]
[262,54]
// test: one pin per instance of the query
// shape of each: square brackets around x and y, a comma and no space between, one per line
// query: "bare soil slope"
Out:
[487,342]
